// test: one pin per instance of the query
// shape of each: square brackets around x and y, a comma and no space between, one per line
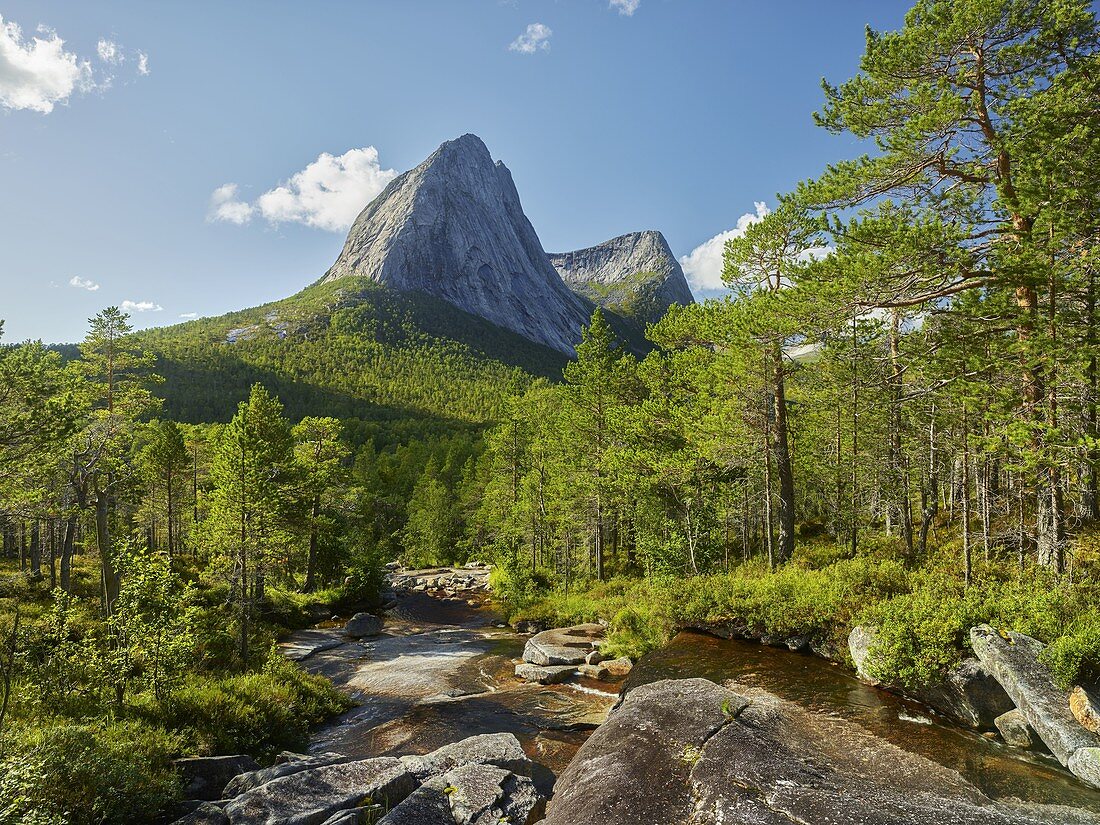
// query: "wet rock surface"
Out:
[693,751]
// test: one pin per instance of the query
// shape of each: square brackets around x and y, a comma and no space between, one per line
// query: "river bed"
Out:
[443,670]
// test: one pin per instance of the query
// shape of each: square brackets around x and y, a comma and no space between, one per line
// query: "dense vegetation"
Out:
[892,420]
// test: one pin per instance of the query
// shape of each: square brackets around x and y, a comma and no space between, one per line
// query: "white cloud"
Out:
[626,7]
[535,38]
[83,283]
[328,194]
[140,306]
[143,64]
[38,73]
[109,52]
[189,315]
[225,207]
[703,265]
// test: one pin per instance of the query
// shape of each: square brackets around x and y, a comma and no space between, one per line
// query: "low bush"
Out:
[88,774]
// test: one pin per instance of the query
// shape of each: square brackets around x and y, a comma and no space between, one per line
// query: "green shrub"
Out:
[1075,657]
[256,713]
[88,774]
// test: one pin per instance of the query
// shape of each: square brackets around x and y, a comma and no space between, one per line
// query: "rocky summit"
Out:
[454,228]
[635,275]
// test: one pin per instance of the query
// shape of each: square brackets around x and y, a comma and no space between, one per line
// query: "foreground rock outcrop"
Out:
[692,751]
[553,656]
[635,275]
[1015,660]
[480,780]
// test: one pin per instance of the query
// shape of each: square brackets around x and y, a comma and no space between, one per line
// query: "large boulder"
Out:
[1085,765]
[1014,659]
[860,643]
[285,765]
[501,750]
[205,777]
[363,624]
[470,795]
[562,646]
[312,796]
[692,751]
[205,814]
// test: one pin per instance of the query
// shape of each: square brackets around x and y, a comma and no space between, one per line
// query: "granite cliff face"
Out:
[454,228]
[635,275]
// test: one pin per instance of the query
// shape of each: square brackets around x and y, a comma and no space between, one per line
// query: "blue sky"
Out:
[613,115]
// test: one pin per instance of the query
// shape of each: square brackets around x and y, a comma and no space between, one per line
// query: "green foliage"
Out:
[71,773]
[258,713]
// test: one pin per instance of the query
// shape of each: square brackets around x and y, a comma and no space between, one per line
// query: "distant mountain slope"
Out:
[352,349]
[635,275]
[454,228]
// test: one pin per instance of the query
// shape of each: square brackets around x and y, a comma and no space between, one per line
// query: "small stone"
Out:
[363,624]
[1085,708]
[618,668]
[594,672]
[1014,729]
[545,674]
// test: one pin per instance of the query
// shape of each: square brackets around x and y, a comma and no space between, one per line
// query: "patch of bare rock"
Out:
[480,780]
[695,752]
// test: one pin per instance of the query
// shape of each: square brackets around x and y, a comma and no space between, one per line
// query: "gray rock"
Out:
[501,750]
[453,228]
[1014,729]
[470,795]
[205,777]
[286,763]
[205,814]
[692,751]
[365,815]
[635,275]
[544,674]
[860,643]
[594,657]
[594,672]
[1085,709]
[363,624]
[1014,661]
[312,796]
[562,646]
[1085,765]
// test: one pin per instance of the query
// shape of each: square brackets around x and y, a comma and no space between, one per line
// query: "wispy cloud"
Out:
[143,63]
[83,283]
[703,265]
[328,194]
[189,315]
[626,7]
[140,306]
[536,37]
[38,73]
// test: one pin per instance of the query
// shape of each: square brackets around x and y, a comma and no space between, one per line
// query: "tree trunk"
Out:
[109,574]
[67,553]
[311,559]
[781,447]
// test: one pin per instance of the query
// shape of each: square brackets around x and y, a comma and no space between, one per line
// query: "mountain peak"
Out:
[454,228]
[634,274]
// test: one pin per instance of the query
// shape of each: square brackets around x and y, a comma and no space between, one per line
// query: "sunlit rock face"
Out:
[635,275]
[454,228]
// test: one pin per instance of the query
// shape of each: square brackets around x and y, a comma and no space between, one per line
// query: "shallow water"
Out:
[444,671]
[820,686]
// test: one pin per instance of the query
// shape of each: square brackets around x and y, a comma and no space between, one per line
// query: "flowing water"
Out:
[442,671]
[823,687]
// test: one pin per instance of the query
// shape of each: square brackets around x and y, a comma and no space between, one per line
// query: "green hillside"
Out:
[351,349]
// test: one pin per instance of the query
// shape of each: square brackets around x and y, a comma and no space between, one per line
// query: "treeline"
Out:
[905,373]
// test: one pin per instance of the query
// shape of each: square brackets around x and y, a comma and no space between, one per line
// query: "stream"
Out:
[443,670]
